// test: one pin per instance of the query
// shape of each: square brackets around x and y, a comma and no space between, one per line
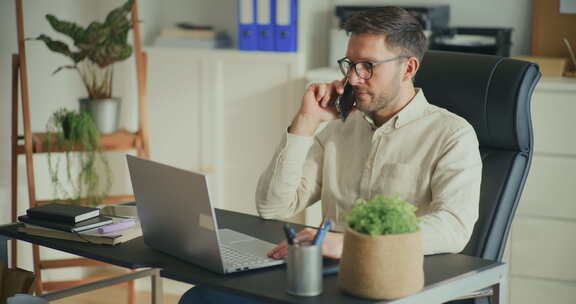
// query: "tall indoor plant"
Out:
[99,47]
[383,255]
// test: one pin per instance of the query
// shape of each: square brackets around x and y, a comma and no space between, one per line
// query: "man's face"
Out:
[382,89]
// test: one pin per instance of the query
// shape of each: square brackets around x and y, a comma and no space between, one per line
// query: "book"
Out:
[185,42]
[120,210]
[63,212]
[120,225]
[77,227]
[184,33]
[89,236]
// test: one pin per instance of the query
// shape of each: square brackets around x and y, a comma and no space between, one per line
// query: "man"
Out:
[396,143]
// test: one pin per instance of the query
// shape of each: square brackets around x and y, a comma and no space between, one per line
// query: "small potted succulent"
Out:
[99,47]
[383,255]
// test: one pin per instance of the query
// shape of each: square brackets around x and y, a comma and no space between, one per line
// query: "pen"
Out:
[290,234]
[322,233]
[124,224]
[319,228]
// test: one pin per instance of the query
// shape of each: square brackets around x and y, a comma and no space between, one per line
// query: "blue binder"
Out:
[247,31]
[265,27]
[286,29]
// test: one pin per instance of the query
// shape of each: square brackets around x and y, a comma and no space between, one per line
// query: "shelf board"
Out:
[73,262]
[111,199]
[225,54]
[122,140]
[53,286]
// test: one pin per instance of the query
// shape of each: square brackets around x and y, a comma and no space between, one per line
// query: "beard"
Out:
[383,97]
[369,103]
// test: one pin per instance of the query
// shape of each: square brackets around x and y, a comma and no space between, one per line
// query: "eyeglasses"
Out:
[364,69]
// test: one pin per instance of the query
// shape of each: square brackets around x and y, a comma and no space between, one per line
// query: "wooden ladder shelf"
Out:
[31,143]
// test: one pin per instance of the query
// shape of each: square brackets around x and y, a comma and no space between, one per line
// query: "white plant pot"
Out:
[105,112]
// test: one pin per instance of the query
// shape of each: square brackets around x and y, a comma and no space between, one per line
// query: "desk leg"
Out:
[157,289]
[500,290]
[4,250]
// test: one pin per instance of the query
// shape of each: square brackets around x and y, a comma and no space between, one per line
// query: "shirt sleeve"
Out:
[455,185]
[292,180]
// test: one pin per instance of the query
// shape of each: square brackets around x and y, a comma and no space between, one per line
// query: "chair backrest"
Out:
[493,93]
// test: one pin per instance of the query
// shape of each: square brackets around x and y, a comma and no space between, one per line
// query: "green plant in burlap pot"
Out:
[383,255]
[87,174]
[99,47]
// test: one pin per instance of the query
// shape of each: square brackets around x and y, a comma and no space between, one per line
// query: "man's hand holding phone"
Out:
[318,105]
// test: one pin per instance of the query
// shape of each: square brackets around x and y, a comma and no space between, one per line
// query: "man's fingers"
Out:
[324,93]
[281,251]
[306,235]
[326,100]
[338,86]
[320,91]
[280,254]
[333,93]
[279,247]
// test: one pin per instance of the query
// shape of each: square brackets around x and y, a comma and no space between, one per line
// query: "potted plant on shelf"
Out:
[99,47]
[382,256]
[88,173]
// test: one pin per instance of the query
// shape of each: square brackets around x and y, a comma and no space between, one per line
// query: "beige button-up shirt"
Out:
[426,155]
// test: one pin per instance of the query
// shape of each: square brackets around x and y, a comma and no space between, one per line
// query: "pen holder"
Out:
[304,269]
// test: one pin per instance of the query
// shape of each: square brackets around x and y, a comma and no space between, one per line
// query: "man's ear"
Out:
[412,66]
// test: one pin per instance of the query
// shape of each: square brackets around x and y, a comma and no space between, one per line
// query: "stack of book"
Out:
[127,209]
[77,223]
[191,35]
[182,37]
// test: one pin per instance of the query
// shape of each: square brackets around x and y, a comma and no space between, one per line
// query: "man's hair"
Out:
[401,29]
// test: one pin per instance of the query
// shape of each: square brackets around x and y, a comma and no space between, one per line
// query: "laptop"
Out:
[177,218]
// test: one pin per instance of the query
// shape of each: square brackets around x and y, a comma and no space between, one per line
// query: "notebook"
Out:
[63,212]
[77,227]
[88,236]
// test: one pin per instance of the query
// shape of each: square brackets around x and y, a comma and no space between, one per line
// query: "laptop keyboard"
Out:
[237,259]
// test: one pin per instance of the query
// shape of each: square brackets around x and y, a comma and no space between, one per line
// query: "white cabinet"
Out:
[543,238]
[221,112]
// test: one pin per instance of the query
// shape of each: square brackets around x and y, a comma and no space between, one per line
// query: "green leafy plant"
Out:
[99,46]
[66,131]
[383,215]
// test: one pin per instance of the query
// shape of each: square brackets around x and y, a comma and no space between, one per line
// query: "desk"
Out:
[447,276]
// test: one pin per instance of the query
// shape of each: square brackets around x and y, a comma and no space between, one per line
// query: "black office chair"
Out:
[493,94]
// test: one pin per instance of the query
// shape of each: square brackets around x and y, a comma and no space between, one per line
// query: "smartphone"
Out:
[346,102]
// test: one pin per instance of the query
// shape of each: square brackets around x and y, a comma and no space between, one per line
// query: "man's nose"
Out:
[353,77]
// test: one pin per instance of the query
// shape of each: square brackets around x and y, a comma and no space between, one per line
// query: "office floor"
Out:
[113,295]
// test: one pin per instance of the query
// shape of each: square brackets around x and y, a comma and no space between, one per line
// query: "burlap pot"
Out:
[382,267]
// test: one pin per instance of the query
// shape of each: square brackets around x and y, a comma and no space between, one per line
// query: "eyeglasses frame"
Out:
[371,64]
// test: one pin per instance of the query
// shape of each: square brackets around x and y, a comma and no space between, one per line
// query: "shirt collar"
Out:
[414,110]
